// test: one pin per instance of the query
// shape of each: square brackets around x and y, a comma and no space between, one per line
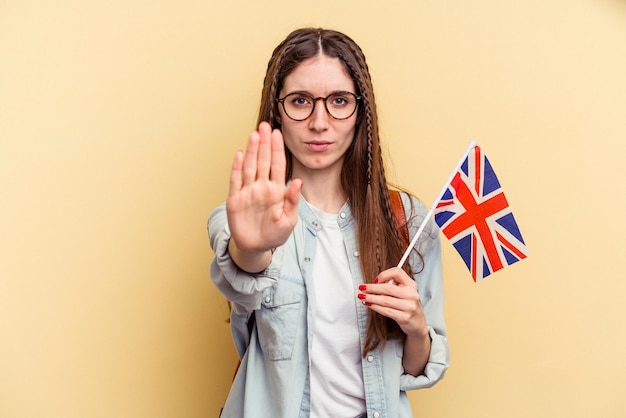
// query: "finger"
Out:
[387,306]
[279,163]
[235,174]
[292,199]
[402,318]
[250,159]
[384,310]
[265,151]
[395,275]
[392,306]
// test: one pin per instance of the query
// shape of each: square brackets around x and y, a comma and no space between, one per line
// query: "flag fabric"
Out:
[474,215]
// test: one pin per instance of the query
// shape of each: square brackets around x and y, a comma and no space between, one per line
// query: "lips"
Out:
[318,146]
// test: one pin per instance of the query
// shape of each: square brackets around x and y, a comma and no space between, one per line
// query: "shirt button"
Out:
[356,253]
[376,414]
[307,259]
[342,215]
[268,299]
[370,359]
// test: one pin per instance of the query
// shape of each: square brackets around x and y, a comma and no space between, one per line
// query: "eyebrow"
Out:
[312,95]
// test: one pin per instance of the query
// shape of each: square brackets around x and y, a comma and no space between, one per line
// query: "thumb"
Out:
[292,199]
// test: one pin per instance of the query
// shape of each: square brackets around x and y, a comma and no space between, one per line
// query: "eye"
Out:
[300,100]
[340,99]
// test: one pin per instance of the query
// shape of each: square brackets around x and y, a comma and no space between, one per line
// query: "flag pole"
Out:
[471,145]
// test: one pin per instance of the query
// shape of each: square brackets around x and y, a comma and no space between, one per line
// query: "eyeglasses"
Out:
[339,105]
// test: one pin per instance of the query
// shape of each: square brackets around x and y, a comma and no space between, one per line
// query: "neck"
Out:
[322,190]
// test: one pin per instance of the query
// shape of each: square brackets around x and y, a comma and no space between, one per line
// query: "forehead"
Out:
[319,75]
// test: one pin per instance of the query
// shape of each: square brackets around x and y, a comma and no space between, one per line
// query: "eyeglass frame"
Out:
[316,99]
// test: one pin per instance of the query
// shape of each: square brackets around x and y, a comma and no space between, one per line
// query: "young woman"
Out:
[305,248]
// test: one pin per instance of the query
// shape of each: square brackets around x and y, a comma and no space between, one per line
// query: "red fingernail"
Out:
[376,280]
[367,304]
[362,296]
[362,287]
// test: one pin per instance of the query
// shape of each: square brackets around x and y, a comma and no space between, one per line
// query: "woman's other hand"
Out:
[394,295]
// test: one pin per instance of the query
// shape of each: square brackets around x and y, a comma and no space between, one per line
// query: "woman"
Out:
[307,242]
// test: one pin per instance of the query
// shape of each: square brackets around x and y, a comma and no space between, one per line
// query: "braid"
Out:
[271,117]
[379,239]
[270,88]
[368,120]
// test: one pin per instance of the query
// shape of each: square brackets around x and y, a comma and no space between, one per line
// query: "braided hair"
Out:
[362,176]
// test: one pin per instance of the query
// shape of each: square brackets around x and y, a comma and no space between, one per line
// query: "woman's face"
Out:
[318,142]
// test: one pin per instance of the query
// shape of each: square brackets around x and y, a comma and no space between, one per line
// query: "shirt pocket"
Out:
[278,318]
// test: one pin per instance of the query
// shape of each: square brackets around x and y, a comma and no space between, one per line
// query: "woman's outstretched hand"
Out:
[261,211]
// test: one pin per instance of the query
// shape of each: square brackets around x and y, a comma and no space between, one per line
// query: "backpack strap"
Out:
[400,215]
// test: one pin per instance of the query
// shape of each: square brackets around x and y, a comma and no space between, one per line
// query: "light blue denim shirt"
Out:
[273,379]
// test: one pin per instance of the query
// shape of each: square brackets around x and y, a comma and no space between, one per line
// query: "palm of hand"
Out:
[256,214]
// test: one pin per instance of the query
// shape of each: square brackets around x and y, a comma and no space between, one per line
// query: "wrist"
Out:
[422,334]
[249,261]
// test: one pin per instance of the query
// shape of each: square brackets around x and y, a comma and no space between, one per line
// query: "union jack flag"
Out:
[475,216]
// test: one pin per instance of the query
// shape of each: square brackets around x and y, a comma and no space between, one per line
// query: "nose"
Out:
[319,119]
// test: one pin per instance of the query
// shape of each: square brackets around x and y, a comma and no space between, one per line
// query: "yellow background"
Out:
[118,124]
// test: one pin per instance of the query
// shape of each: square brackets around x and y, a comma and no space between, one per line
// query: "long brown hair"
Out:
[363,175]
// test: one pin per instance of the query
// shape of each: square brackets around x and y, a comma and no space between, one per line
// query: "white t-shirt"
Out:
[336,374]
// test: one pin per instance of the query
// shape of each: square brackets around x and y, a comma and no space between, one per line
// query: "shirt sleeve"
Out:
[242,289]
[428,273]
